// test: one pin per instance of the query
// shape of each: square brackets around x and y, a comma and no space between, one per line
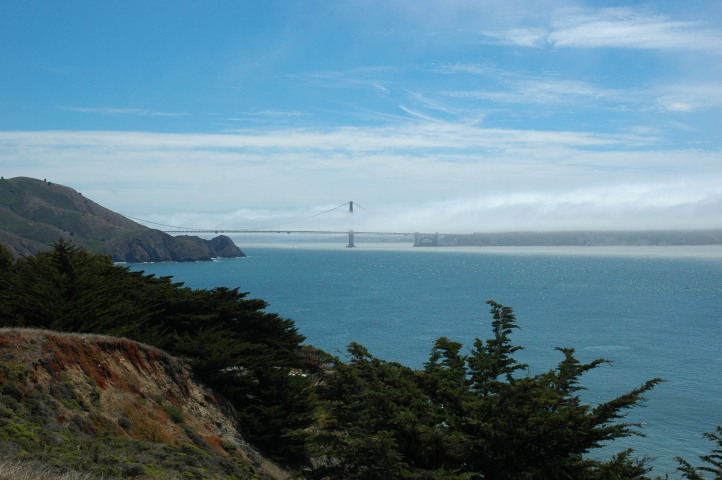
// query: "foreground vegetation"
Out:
[110,407]
[234,347]
[464,416]
[18,470]
[12,469]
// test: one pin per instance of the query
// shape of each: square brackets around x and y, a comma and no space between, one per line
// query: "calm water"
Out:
[652,311]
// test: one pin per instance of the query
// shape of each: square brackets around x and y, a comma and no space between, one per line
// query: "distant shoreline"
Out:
[574,238]
[599,238]
[651,251]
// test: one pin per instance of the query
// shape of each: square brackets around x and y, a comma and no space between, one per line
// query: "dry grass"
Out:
[17,470]
[14,470]
[86,336]
[134,411]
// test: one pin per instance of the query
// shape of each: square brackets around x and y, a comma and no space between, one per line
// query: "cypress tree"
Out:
[471,416]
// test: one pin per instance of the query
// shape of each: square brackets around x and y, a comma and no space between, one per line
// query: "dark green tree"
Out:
[493,358]
[6,258]
[375,419]
[471,416]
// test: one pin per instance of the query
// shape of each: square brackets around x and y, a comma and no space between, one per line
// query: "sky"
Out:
[451,116]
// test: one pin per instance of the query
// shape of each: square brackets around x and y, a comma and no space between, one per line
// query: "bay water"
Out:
[651,311]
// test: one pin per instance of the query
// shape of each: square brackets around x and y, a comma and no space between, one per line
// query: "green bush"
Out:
[174,413]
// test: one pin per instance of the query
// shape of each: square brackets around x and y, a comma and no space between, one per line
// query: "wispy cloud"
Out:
[266,117]
[278,114]
[508,87]
[612,28]
[121,111]
[688,98]
[428,134]
[374,78]
[508,179]
[545,91]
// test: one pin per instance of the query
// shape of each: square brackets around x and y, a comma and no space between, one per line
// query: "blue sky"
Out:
[448,115]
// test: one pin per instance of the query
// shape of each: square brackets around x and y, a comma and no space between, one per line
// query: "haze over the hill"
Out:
[452,116]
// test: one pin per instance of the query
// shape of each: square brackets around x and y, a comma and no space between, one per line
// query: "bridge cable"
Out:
[161,224]
[302,219]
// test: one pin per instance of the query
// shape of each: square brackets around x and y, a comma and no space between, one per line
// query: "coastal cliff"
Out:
[156,246]
[115,407]
[36,213]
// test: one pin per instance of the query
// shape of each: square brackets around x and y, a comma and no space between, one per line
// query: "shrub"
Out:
[125,423]
[174,413]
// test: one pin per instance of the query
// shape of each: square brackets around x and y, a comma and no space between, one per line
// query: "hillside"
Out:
[35,213]
[115,407]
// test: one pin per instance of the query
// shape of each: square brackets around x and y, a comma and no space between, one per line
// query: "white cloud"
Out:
[419,137]
[277,114]
[372,78]
[265,117]
[121,111]
[674,205]
[381,88]
[508,179]
[521,37]
[615,28]
[554,90]
[546,91]
[688,98]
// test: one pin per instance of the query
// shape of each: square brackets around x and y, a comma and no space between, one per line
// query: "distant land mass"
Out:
[572,238]
[36,213]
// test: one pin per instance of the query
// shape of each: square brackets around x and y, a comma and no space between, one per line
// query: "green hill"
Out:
[35,213]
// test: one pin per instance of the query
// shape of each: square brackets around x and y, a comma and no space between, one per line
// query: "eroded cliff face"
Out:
[120,405]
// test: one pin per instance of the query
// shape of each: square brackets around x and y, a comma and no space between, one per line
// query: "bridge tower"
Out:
[350,232]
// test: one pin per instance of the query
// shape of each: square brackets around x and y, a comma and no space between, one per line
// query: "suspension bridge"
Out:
[419,238]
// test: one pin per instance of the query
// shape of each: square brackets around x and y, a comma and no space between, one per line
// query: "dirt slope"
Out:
[117,408]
